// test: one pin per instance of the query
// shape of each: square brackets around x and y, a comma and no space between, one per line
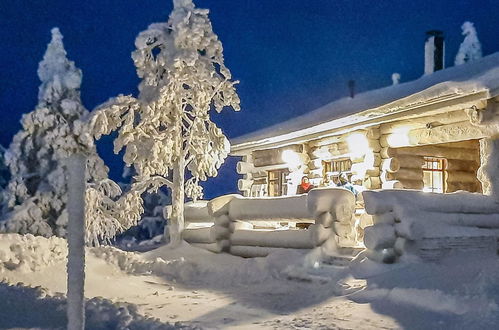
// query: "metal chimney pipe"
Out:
[434,51]
[351,88]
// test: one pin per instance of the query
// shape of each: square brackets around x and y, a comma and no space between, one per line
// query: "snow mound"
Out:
[30,253]
[188,264]
[49,311]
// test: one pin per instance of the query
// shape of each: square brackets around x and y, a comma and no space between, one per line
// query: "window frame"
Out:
[280,179]
[440,168]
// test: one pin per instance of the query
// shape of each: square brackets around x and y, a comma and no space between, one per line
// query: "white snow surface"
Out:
[480,75]
[286,290]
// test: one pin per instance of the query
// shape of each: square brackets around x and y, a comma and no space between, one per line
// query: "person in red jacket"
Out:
[305,186]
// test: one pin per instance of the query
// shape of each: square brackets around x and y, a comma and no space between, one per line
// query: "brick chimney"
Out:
[434,51]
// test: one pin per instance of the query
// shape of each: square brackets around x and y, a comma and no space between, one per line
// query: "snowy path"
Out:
[210,291]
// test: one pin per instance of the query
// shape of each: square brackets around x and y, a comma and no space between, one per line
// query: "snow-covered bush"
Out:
[36,196]
[167,129]
[30,253]
[470,49]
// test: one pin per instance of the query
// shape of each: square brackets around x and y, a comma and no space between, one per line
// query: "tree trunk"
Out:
[176,225]
[76,242]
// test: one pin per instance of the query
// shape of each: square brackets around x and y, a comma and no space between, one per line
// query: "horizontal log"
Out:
[412,184]
[244,167]
[447,133]
[273,156]
[461,176]
[298,239]
[390,165]
[467,144]
[373,171]
[409,174]
[326,141]
[460,219]
[378,202]
[409,161]
[326,152]
[198,235]
[437,135]
[252,251]
[216,247]
[196,212]
[436,151]
[422,122]
[244,185]
[462,165]
[465,186]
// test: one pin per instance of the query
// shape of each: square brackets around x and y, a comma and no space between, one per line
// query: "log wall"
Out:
[462,162]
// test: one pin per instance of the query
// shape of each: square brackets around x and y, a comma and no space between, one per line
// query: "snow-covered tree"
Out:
[167,132]
[470,49]
[4,171]
[36,195]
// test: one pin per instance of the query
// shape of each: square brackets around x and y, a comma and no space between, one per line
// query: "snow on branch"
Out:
[167,129]
[470,49]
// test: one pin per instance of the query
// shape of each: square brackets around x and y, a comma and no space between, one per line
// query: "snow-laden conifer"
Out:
[167,131]
[470,49]
[36,195]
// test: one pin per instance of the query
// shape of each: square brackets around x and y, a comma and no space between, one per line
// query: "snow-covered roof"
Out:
[479,77]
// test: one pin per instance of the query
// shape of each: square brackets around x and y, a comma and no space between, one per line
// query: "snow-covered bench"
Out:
[329,210]
[429,225]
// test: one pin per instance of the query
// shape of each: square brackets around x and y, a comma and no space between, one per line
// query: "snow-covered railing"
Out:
[429,225]
[330,210]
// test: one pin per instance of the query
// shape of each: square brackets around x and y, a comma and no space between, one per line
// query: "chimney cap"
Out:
[434,33]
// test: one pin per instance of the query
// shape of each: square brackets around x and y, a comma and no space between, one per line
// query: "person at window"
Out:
[344,183]
[305,186]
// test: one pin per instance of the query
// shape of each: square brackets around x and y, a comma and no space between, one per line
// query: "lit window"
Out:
[340,165]
[277,184]
[434,175]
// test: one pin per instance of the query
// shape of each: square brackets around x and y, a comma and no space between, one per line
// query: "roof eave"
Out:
[366,118]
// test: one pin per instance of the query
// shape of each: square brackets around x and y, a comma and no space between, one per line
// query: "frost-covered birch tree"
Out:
[470,49]
[36,195]
[167,132]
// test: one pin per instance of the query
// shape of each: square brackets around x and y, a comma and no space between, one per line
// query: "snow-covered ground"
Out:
[192,288]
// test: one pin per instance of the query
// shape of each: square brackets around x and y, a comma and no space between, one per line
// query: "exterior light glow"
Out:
[358,144]
[291,158]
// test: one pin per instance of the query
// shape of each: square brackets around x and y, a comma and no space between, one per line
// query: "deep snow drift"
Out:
[286,290]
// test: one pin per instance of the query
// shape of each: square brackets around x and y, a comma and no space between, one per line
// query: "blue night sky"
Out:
[291,56]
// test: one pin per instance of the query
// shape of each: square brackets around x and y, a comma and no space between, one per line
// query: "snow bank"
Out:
[30,253]
[188,264]
[49,311]
[285,207]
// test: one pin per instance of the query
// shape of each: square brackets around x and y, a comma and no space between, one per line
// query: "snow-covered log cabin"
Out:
[414,135]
